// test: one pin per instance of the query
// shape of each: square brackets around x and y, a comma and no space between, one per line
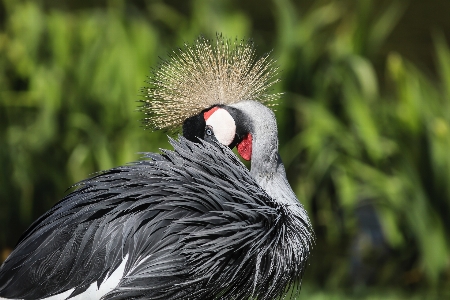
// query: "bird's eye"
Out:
[209,131]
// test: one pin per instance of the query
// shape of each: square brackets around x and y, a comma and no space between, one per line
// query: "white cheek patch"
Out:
[223,125]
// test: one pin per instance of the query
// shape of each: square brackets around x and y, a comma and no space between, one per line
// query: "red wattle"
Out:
[208,113]
[245,147]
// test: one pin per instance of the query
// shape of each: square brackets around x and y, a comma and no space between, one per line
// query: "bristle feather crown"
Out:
[204,74]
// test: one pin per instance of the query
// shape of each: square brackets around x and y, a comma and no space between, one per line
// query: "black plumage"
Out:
[193,223]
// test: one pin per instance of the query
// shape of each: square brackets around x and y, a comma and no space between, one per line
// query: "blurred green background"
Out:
[364,122]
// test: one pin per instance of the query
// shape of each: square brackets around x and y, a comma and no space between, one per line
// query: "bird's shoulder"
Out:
[165,210]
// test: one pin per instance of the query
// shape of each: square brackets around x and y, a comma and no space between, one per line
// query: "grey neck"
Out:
[262,125]
[266,165]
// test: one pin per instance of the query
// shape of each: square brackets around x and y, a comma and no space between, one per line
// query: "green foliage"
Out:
[68,108]
[353,134]
[357,144]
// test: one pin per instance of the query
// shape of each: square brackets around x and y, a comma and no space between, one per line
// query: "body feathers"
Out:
[192,224]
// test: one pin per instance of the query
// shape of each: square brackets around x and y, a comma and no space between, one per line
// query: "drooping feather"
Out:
[193,223]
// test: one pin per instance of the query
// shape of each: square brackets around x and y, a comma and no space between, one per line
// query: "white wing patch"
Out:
[93,292]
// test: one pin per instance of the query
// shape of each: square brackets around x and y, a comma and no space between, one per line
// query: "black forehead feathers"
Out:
[194,127]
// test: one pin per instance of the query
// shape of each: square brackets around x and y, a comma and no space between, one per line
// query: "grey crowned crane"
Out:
[188,223]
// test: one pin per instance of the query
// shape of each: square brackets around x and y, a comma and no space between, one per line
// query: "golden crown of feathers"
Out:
[204,74]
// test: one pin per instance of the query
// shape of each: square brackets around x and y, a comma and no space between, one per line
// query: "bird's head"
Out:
[226,124]
[202,85]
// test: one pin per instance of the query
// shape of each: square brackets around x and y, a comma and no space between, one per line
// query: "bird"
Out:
[188,223]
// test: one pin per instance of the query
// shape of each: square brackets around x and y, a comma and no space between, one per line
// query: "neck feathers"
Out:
[266,165]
